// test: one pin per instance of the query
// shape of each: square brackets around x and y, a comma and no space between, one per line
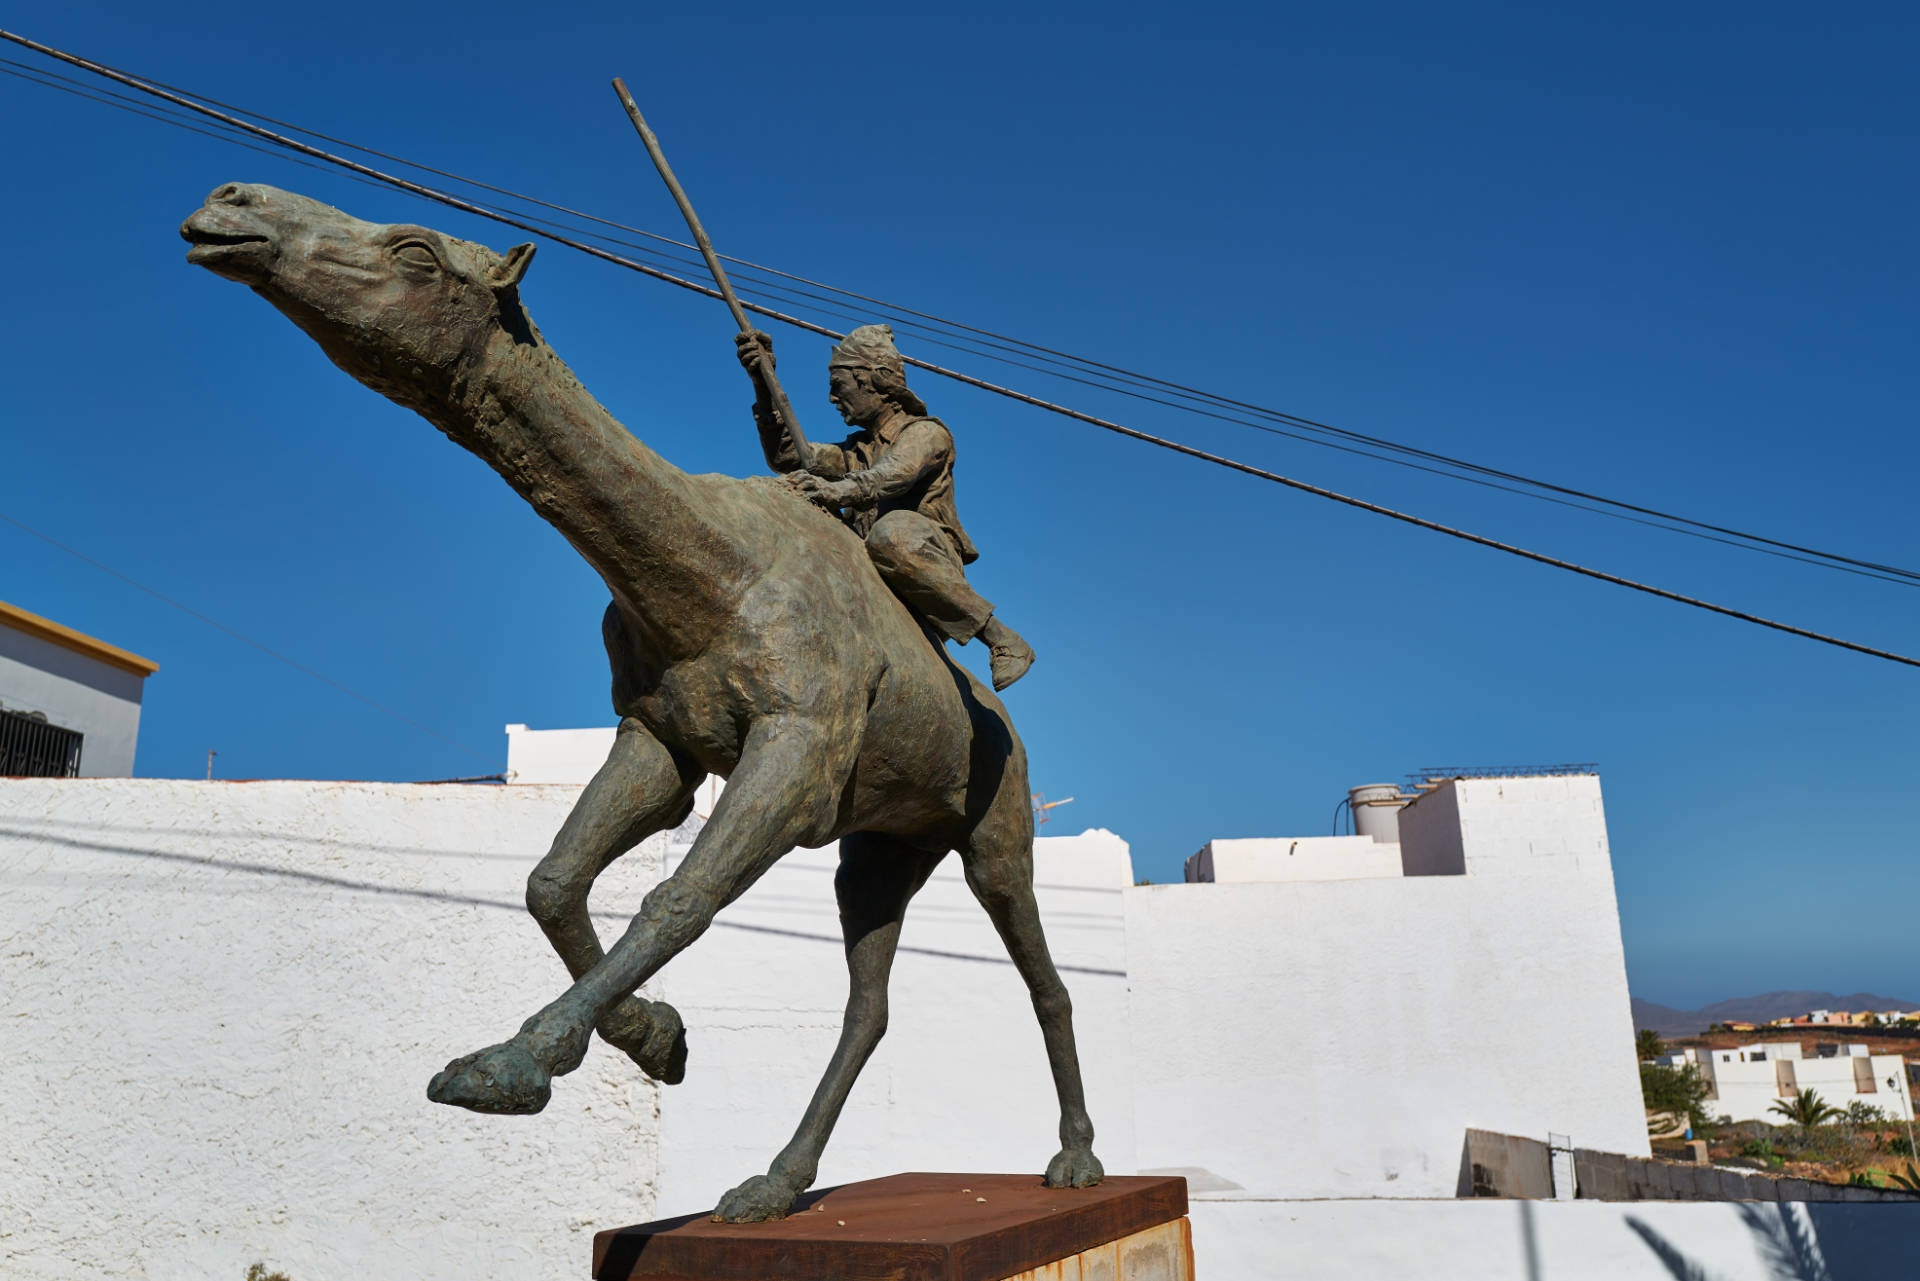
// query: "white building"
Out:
[1292,858]
[1748,1080]
[556,755]
[225,999]
[1402,987]
[69,704]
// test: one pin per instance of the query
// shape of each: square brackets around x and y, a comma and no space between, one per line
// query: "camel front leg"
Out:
[784,791]
[642,788]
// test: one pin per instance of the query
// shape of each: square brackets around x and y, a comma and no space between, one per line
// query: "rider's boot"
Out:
[1012,656]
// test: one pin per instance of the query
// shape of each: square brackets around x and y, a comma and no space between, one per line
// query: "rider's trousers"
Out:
[920,564]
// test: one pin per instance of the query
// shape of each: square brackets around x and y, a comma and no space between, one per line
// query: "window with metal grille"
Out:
[31,748]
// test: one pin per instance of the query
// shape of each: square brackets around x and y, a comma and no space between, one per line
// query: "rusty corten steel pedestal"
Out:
[908,1227]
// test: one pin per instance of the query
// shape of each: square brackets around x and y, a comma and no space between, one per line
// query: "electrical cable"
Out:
[1053,356]
[455,202]
[784,295]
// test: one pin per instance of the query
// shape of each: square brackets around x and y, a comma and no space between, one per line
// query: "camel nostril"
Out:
[231,194]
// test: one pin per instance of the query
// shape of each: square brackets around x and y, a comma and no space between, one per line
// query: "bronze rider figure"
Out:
[892,482]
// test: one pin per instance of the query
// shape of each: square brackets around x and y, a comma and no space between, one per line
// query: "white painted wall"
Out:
[556,755]
[99,700]
[1298,858]
[223,1004]
[1336,1038]
[227,1000]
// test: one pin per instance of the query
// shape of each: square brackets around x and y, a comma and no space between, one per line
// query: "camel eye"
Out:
[415,254]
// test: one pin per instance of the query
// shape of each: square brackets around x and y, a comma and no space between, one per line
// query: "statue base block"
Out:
[927,1227]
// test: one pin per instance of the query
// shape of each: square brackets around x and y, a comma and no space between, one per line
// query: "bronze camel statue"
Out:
[749,636]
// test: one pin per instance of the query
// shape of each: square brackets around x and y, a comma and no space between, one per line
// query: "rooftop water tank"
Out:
[1376,811]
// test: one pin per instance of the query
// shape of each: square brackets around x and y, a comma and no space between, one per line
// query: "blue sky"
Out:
[1664,255]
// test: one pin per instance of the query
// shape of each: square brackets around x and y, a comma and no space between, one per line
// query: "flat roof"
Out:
[79,642]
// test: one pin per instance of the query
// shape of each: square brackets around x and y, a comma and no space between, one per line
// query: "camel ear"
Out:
[512,266]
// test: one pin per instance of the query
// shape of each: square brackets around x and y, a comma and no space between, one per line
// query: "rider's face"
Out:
[859,404]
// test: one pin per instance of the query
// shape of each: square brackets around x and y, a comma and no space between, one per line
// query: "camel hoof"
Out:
[504,1079]
[650,1033]
[1074,1168]
[760,1199]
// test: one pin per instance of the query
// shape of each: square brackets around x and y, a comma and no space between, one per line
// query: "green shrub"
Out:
[1861,1112]
[1679,1090]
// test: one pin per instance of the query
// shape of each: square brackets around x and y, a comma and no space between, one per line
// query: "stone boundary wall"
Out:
[1505,1165]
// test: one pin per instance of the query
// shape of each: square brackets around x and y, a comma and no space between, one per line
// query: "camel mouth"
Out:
[223,249]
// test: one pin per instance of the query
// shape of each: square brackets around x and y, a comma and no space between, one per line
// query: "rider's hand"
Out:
[752,348]
[831,494]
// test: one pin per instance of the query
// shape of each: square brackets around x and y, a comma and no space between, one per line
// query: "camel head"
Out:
[402,308]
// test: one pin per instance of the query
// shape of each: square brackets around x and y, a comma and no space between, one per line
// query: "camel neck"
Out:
[636,518]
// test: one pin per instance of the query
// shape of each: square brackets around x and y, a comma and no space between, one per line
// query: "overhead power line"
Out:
[991,345]
[1107,377]
[524,223]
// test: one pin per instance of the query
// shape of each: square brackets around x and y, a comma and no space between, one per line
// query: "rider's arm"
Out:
[828,460]
[918,452]
[775,443]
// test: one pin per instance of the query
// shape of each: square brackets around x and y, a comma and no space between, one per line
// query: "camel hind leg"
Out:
[998,861]
[877,876]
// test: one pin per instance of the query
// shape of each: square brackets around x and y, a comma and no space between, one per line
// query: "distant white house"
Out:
[1746,1081]
[69,704]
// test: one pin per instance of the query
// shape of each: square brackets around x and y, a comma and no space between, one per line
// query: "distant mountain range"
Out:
[1668,1021]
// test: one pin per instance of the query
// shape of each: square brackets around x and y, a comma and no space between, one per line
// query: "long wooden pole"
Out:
[781,406]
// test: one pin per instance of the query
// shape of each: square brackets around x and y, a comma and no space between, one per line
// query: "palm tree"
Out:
[1807,1109]
[1647,1045]
[1909,1180]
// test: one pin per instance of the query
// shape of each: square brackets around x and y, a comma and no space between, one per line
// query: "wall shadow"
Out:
[470,900]
[1786,1235]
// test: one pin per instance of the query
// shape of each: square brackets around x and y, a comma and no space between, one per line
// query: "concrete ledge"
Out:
[1506,1165]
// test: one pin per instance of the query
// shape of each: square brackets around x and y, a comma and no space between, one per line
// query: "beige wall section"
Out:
[1161,1253]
